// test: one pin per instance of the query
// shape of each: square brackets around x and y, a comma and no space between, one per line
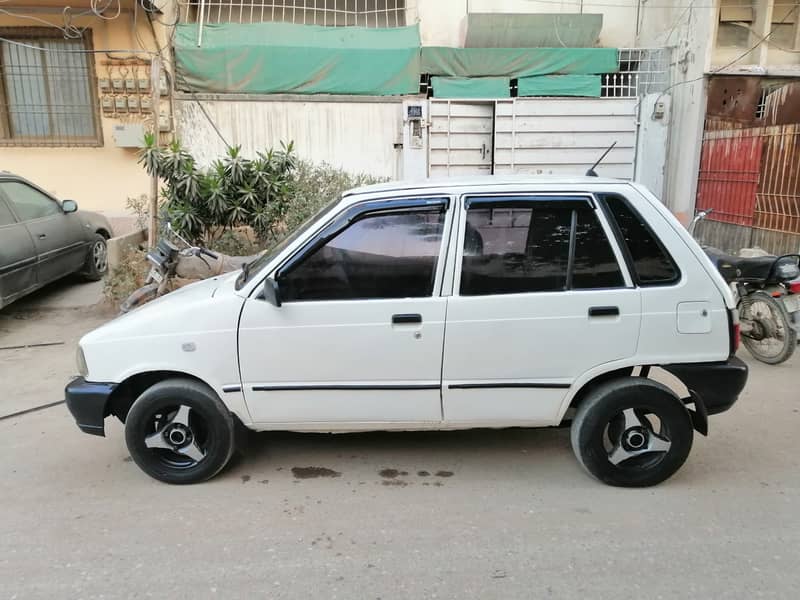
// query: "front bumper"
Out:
[716,384]
[88,403]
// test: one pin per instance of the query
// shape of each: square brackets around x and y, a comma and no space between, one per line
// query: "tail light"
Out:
[794,286]
[735,332]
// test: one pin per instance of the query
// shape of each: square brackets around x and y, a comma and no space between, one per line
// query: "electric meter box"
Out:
[129,135]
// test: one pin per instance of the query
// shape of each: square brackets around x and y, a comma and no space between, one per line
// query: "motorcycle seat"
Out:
[739,267]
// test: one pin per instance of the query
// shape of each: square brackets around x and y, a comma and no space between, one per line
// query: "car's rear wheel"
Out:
[96,265]
[179,431]
[632,432]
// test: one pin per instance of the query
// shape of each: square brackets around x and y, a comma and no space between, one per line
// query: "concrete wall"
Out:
[358,136]
[98,178]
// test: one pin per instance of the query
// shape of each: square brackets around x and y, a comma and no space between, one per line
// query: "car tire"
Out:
[781,322]
[178,431]
[96,265]
[617,440]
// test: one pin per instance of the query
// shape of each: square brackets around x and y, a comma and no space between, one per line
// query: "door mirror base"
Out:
[271,292]
[69,206]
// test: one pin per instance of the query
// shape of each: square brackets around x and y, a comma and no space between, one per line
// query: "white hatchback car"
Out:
[491,302]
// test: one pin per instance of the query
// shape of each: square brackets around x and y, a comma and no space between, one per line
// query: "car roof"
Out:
[480,181]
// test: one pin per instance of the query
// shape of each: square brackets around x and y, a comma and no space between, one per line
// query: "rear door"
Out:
[541,296]
[60,241]
[17,257]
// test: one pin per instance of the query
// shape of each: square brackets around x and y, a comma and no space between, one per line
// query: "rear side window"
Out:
[652,264]
[524,245]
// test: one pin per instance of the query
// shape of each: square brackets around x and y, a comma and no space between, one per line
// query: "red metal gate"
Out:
[730,166]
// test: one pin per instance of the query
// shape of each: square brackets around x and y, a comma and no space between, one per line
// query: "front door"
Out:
[17,257]
[359,334]
[60,242]
[461,138]
[540,298]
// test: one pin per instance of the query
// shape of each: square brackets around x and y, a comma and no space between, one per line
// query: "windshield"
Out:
[259,263]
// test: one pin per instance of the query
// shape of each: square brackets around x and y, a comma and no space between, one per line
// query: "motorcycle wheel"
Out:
[772,339]
[139,297]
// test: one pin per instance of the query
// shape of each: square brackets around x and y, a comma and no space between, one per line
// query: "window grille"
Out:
[47,96]
[329,13]
[641,71]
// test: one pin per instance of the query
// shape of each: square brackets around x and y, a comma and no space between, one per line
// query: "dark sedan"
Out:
[43,239]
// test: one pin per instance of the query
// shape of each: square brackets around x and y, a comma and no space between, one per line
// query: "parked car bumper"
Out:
[717,384]
[88,403]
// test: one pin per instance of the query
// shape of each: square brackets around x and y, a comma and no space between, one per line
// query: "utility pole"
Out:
[155,91]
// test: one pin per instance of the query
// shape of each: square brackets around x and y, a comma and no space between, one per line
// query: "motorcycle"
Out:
[164,259]
[767,293]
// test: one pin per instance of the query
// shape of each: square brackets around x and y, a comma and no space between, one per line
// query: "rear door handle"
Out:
[407,319]
[604,311]
[42,236]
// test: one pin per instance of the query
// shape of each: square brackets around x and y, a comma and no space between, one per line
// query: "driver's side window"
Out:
[383,255]
[27,202]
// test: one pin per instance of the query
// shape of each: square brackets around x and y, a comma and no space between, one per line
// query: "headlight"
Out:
[786,268]
[80,359]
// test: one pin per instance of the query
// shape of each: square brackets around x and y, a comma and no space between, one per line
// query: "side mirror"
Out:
[69,206]
[272,292]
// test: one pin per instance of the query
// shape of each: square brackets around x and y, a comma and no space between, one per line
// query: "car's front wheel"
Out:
[96,265]
[632,432]
[179,431]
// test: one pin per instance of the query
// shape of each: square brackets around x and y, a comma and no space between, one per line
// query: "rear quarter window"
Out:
[650,262]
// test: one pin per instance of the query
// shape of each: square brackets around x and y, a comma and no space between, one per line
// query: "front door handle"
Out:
[604,311]
[42,236]
[407,319]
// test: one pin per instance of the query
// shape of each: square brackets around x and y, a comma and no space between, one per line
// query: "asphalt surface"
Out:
[474,514]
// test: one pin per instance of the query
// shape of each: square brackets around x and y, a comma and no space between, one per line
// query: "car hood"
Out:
[187,308]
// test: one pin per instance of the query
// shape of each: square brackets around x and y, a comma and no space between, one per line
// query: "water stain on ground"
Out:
[312,472]
[423,474]
[245,478]
[395,482]
[392,473]
[444,473]
[127,459]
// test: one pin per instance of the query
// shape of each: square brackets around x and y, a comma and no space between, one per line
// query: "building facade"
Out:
[394,88]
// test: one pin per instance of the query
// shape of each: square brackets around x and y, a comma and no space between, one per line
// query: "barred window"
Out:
[47,96]
[329,13]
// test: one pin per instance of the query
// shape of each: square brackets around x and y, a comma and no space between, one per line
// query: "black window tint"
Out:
[379,256]
[651,262]
[6,218]
[516,249]
[595,265]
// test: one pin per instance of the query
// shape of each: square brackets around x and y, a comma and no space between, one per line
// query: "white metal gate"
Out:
[565,136]
[547,136]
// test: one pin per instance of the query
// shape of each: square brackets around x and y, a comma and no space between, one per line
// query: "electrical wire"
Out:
[725,66]
[78,51]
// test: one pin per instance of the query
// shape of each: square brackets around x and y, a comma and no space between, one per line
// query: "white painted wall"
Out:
[689,30]
[359,137]
[442,22]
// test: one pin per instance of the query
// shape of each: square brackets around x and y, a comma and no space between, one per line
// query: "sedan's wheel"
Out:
[97,261]
[178,431]
[632,432]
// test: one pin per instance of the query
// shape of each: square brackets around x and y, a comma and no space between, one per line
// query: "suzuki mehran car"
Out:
[491,302]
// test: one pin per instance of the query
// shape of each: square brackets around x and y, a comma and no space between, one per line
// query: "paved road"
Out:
[480,514]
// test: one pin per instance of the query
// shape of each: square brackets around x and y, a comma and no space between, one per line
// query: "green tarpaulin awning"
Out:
[471,87]
[269,58]
[559,85]
[517,62]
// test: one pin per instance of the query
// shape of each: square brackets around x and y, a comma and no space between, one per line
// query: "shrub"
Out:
[232,192]
[127,276]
